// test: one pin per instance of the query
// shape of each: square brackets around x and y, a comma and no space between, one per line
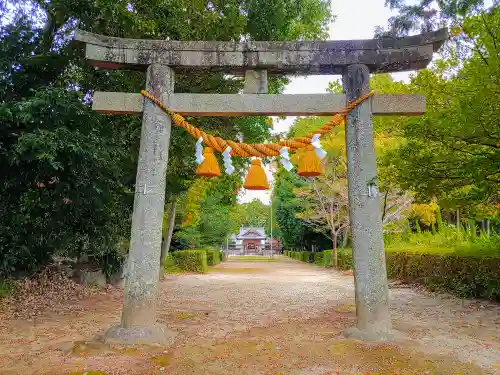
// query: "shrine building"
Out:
[252,240]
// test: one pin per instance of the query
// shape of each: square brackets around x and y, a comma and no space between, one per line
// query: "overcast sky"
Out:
[356,19]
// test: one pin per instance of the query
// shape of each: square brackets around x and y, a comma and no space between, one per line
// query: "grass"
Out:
[446,242]
[184,315]
[252,259]
[6,289]
[173,270]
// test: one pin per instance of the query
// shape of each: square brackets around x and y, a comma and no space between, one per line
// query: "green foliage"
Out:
[213,257]
[466,276]
[292,229]
[255,214]
[7,288]
[170,267]
[447,241]
[323,258]
[49,132]
[63,170]
[344,257]
[297,255]
[307,256]
[425,15]
[439,219]
[191,260]
[328,258]
[452,152]
[318,258]
[445,261]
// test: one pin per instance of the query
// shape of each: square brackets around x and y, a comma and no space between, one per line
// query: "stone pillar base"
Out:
[157,335]
[356,333]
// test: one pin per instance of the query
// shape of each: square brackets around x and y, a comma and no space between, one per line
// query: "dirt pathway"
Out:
[282,317]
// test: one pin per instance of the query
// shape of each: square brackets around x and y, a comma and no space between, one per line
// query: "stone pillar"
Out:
[370,275]
[138,322]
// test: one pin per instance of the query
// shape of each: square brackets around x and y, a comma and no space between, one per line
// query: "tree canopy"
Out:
[67,173]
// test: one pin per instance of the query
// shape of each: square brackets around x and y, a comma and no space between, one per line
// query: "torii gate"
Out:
[354,60]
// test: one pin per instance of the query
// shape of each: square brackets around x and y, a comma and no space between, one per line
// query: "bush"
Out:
[307,256]
[170,267]
[191,260]
[318,258]
[213,257]
[465,276]
[344,257]
[7,288]
[328,258]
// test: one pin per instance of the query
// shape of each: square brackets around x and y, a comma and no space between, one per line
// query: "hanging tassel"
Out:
[199,151]
[318,148]
[228,163]
[209,167]
[256,177]
[285,159]
[309,163]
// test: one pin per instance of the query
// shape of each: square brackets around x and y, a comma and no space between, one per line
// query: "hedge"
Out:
[191,260]
[307,257]
[463,275]
[213,257]
[318,258]
[467,276]
[344,258]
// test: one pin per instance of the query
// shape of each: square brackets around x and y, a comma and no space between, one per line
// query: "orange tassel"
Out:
[256,177]
[309,163]
[209,167]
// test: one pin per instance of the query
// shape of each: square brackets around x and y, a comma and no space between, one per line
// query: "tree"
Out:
[49,132]
[292,229]
[427,15]
[326,204]
[64,172]
[452,152]
[252,214]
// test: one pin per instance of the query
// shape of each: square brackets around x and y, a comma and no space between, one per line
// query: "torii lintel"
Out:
[382,55]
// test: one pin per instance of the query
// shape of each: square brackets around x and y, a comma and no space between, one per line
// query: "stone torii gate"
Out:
[354,60]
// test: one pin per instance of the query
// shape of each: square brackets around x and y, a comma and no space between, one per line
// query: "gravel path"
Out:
[283,317]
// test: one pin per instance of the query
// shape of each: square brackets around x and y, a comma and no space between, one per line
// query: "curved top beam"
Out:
[291,57]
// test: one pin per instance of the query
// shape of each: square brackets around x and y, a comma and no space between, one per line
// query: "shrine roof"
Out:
[252,233]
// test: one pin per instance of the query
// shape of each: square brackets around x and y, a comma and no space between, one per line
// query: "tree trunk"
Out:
[335,259]
[345,237]
[458,219]
[488,226]
[165,247]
